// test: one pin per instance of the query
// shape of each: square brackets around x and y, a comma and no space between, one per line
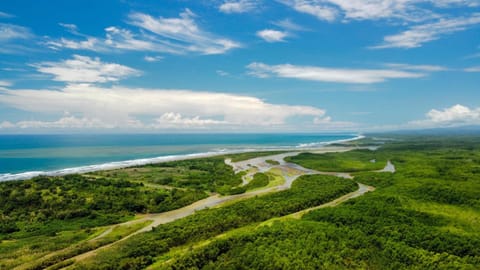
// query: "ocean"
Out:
[26,156]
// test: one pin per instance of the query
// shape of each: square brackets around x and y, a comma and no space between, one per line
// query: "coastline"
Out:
[315,146]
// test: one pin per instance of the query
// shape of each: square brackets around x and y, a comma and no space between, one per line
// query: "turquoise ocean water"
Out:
[24,156]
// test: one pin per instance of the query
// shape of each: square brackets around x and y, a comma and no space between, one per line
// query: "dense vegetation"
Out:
[425,216]
[44,214]
[140,251]
[259,180]
[51,204]
[250,155]
[272,162]
[206,174]
[351,161]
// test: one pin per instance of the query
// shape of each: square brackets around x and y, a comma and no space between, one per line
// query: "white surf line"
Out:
[139,162]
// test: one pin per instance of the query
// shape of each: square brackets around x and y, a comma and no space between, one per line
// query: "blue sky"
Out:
[238,65]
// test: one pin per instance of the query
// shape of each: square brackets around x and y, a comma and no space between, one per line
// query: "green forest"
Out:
[425,215]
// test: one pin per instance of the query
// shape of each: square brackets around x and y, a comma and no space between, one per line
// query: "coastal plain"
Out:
[402,202]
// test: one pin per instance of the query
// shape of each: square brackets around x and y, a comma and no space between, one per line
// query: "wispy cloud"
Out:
[66,122]
[427,68]
[473,69]
[270,35]
[176,35]
[13,39]
[184,30]
[83,69]
[238,6]
[318,9]
[403,10]
[5,83]
[289,25]
[90,43]
[72,28]
[171,119]
[428,23]
[155,58]
[326,74]
[417,35]
[5,15]
[123,39]
[119,106]
[288,30]
[222,73]
[11,32]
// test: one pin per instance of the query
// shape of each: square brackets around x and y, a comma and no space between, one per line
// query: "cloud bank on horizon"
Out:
[239,65]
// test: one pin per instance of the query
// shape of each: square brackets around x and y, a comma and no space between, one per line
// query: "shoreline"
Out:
[146,161]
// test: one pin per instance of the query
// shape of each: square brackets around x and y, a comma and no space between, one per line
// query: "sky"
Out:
[238,65]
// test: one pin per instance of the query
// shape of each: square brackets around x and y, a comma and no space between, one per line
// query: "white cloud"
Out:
[320,120]
[6,124]
[5,83]
[116,39]
[270,35]
[456,115]
[10,32]
[318,9]
[85,70]
[155,58]
[237,6]
[183,32]
[90,43]
[426,68]
[325,74]
[72,28]
[473,69]
[431,21]
[121,107]
[222,73]
[122,39]
[403,10]
[87,43]
[171,119]
[289,25]
[417,35]
[177,35]
[70,122]
[327,124]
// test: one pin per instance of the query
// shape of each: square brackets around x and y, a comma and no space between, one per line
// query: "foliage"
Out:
[351,161]
[259,180]
[206,174]
[272,162]
[250,155]
[307,191]
[424,216]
